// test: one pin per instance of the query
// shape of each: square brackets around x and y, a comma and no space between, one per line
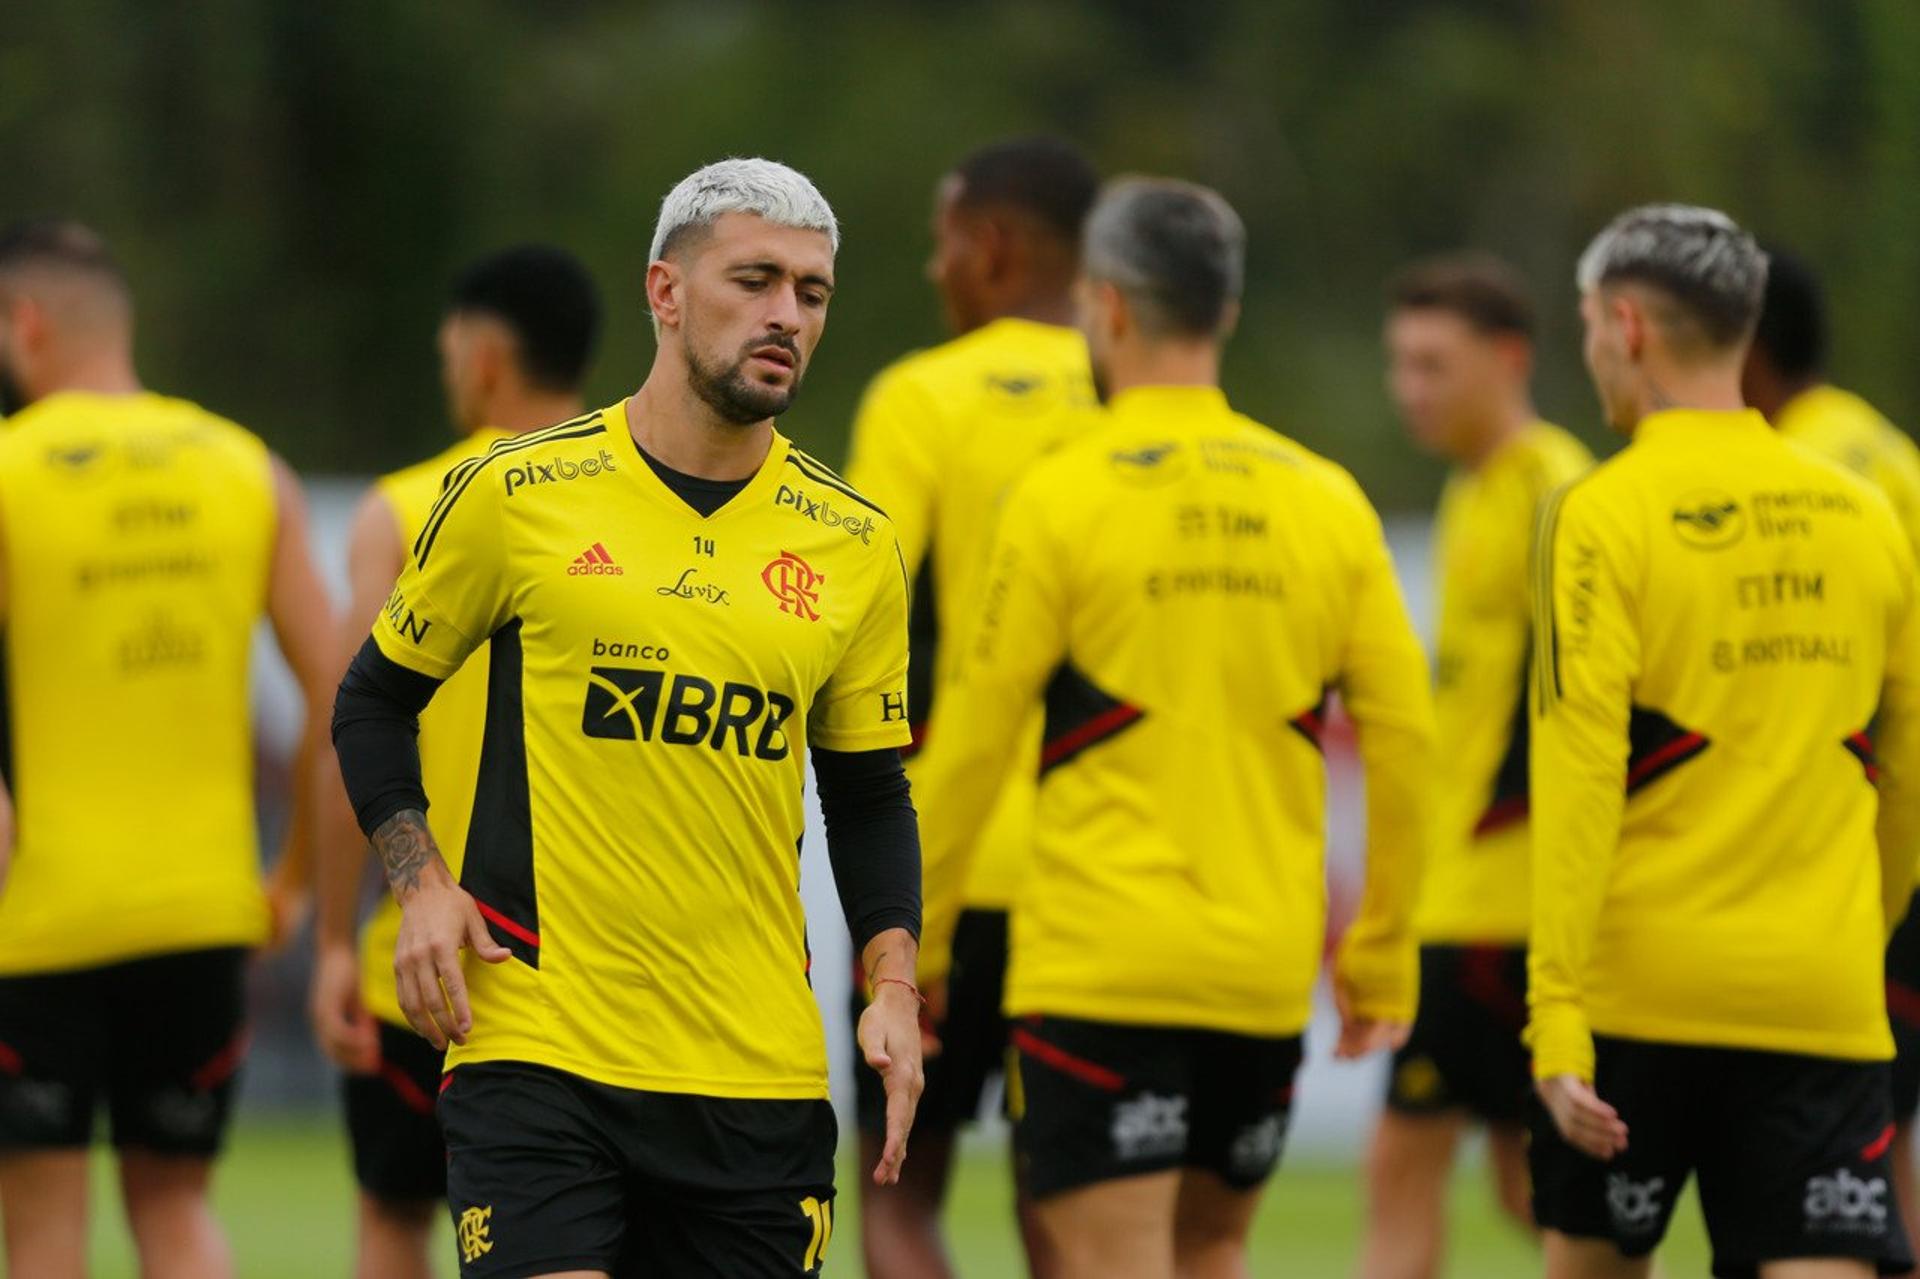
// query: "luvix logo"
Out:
[1148,1127]
[793,582]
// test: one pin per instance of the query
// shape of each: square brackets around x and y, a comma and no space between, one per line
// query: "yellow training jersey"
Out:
[1181,590]
[940,436]
[653,679]
[139,534]
[1475,886]
[1721,613]
[450,729]
[1840,425]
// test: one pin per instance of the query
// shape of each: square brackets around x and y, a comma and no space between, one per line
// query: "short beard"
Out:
[733,396]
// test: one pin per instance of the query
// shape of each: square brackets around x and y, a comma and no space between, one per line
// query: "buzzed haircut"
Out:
[1792,332]
[1699,259]
[549,302]
[1047,178]
[1177,250]
[1478,287]
[60,244]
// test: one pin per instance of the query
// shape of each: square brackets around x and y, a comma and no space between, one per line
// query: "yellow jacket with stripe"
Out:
[1180,590]
[1721,614]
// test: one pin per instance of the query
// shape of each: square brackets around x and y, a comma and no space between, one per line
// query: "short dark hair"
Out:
[1176,249]
[547,298]
[1792,332]
[60,243]
[1478,287]
[1045,177]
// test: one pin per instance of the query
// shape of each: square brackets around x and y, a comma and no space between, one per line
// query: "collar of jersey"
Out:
[1669,423]
[1168,403]
[630,460]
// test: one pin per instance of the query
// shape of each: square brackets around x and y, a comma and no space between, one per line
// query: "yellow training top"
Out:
[1475,886]
[1722,612]
[450,728]
[1181,589]
[139,537]
[1840,425]
[653,679]
[940,436]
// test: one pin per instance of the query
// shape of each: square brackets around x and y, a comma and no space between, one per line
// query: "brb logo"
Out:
[553,472]
[793,582]
[1844,1202]
[628,704]
[821,512]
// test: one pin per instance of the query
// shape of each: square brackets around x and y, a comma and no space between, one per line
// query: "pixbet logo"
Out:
[553,472]
[821,511]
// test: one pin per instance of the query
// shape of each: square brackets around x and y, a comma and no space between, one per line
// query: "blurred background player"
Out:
[144,538]
[515,343]
[938,439]
[1721,614]
[1180,588]
[640,1080]
[1459,338]
[1786,379]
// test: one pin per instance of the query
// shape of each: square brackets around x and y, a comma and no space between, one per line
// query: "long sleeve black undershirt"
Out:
[873,838]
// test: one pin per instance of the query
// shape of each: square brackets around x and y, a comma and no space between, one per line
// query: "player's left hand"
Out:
[890,1040]
[1359,1035]
[288,900]
[1589,1124]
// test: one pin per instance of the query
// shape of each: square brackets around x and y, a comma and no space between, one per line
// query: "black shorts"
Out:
[973,1038]
[1464,1052]
[1791,1152]
[551,1172]
[158,1041]
[1903,1012]
[398,1155]
[1094,1101]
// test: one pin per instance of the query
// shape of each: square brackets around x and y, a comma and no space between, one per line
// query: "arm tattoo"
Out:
[404,844]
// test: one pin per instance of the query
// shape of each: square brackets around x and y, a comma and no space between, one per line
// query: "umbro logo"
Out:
[594,562]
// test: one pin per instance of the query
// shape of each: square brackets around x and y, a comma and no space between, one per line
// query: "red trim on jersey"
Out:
[1903,1001]
[1105,724]
[446,1081]
[1878,1146]
[1088,1072]
[1667,756]
[518,931]
[1502,814]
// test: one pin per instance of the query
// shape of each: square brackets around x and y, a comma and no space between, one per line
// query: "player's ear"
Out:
[664,284]
[1229,319]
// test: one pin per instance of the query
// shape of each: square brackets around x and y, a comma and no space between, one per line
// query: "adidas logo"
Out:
[594,562]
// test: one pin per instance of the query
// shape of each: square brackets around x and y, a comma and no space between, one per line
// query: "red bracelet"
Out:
[878,982]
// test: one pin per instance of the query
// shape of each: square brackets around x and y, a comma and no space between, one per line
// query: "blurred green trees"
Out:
[292,183]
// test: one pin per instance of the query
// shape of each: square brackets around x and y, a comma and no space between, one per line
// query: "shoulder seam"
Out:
[819,473]
[461,477]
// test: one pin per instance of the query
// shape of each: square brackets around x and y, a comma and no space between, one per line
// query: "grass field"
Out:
[286,1195]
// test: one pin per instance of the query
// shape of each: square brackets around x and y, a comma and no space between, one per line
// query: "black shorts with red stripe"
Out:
[399,1155]
[1096,1101]
[1791,1152]
[157,1042]
[1903,1012]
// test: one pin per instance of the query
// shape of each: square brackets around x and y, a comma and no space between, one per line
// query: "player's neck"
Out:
[104,373]
[1500,431]
[675,427]
[518,414]
[1043,306]
[1166,364]
[1707,388]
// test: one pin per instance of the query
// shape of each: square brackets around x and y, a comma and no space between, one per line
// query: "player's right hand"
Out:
[1589,1124]
[438,919]
[343,1027]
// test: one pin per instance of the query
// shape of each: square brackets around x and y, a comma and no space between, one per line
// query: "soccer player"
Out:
[1786,379]
[1180,589]
[143,539]
[1459,338]
[1714,868]
[514,347]
[940,436]
[638,1079]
